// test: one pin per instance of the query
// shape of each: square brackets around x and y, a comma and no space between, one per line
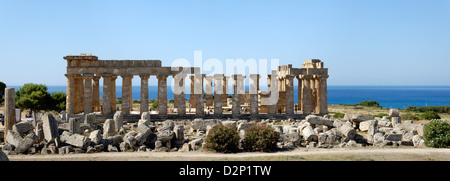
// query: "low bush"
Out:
[380,115]
[409,116]
[436,133]
[261,137]
[224,139]
[429,115]
[369,104]
[339,115]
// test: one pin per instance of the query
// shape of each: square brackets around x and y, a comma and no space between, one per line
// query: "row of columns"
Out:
[83,93]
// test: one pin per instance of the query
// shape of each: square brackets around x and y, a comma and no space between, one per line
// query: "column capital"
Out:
[70,75]
[237,76]
[290,77]
[113,77]
[96,77]
[306,76]
[106,75]
[88,76]
[218,76]
[162,76]
[126,76]
[144,76]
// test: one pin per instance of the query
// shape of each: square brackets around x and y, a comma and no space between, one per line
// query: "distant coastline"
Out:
[387,96]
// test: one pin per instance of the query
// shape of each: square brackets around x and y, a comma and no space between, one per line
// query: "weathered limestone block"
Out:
[74,125]
[13,138]
[396,120]
[90,119]
[118,120]
[347,130]
[201,124]
[394,113]
[145,116]
[393,137]
[407,136]
[384,123]
[356,117]
[95,136]
[65,150]
[179,132]
[124,146]
[76,140]
[23,127]
[378,139]
[317,120]
[10,114]
[112,140]
[165,135]
[26,143]
[364,126]
[308,133]
[233,123]
[109,128]
[50,127]
[417,141]
[130,138]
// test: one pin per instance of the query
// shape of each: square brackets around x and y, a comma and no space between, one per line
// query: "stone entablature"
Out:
[85,71]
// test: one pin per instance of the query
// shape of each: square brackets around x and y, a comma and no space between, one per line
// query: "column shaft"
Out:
[180,98]
[106,107]
[96,93]
[10,110]
[113,95]
[299,93]
[70,99]
[218,93]
[323,95]
[199,105]
[306,95]
[87,93]
[162,94]
[144,93]
[126,89]
[254,88]
[289,88]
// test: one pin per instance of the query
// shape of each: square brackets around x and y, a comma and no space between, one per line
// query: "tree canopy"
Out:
[2,91]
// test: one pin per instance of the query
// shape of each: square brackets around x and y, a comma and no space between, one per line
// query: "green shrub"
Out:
[409,116]
[369,104]
[436,133]
[261,137]
[380,115]
[429,115]
[223,139]
[339,115]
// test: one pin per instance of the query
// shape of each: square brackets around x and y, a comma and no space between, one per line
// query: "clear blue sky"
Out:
[361,42]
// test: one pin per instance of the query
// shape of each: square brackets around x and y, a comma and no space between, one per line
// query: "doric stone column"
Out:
[96,93]
[144,92]
[199,105]
[87,93]
[208,90]
[10,110]
[306,94]
[113,93]
[70,99]
[289,88]
[192,97]
[218,93]
[299,92]
[106,107]
[323,99]
[181,97]
[238,89]
[126,89]
[225,90]
[316,93]
[271,109]
[162,94]
[254,88]
[79,93]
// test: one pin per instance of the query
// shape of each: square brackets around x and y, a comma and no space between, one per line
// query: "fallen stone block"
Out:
[308,133]
[165,135]
[13,138]
[95,136]
[394,113]
[109,128]
[118,120]
[76,140]
[347,130]
[179,132]
[74,125]
[313,119]
[357,117]
[50,127]
[3,156]
[26,143]
[418,141]
[23,127]
[39,132]
[396,120]
[393,137]
[90,119]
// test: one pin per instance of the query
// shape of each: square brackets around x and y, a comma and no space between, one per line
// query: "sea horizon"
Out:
[387,96]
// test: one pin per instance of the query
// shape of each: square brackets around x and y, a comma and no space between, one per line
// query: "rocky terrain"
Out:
[53,135]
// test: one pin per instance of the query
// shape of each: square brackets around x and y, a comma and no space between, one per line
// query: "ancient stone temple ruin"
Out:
[85,71]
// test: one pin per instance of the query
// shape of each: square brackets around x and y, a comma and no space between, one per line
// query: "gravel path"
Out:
[372,153]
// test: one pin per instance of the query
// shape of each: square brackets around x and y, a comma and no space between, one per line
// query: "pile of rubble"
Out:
[50,135]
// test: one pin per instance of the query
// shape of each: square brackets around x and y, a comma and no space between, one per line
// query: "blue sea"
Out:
[387,96]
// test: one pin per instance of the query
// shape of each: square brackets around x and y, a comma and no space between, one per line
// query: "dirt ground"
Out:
[299,154]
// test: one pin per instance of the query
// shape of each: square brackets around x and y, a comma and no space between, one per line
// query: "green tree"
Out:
[2,91]
[154,105]
[58,101]
[34,97]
